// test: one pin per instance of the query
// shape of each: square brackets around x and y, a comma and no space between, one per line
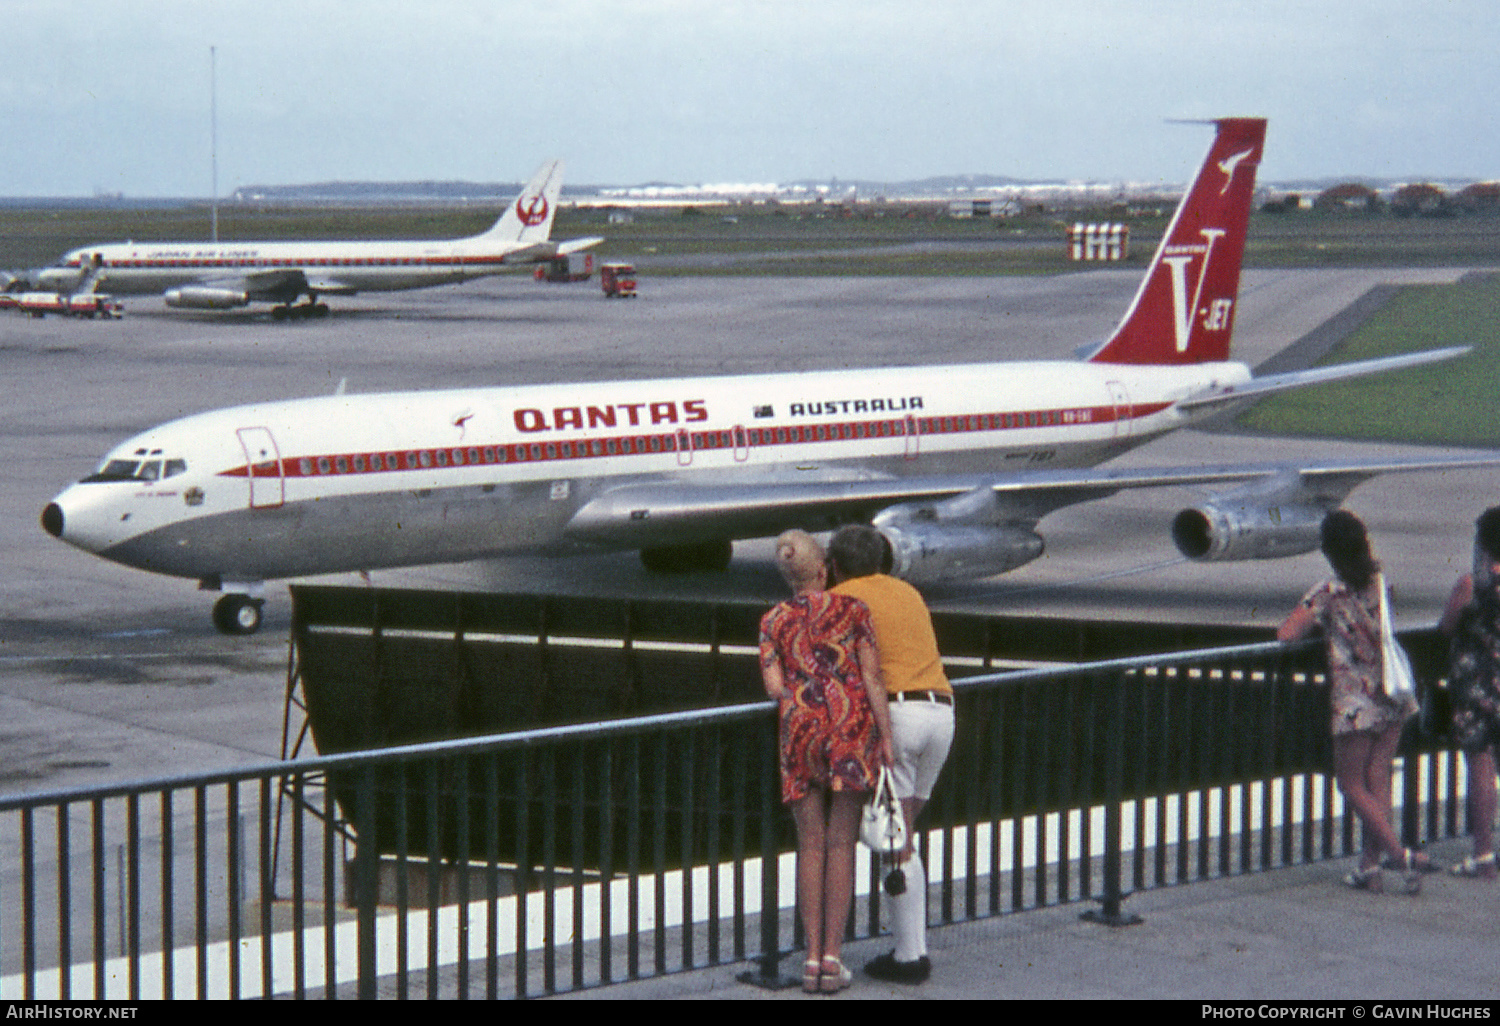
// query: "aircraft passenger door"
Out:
[262,468]
[684,447]
[1120,399]
[912,437]
[741,444]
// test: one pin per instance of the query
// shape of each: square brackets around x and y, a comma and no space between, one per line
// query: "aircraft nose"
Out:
[52,520]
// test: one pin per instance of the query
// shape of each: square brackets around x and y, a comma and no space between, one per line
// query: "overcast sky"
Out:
[113,95]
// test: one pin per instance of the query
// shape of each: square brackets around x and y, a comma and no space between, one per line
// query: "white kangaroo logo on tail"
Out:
[1228,165]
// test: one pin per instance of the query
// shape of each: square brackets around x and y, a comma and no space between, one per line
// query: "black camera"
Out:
[895,882]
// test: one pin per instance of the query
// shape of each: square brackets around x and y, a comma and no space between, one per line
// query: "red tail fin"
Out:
[1184,311]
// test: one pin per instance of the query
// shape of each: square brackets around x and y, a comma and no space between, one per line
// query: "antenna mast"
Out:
[213,117]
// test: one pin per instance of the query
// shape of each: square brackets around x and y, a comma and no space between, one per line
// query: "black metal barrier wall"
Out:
[1067,784]
[382,667]
[387,666]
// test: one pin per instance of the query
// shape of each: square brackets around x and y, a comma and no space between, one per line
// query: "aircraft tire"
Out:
[710,556]
[237,614]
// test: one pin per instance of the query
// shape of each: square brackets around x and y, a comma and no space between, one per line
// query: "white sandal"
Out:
[1482,867]
[836,976]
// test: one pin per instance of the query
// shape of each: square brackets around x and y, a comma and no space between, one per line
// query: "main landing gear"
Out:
[238,614]
[710,556]
[299,312]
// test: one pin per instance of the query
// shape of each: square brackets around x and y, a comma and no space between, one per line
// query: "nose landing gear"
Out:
[238,614]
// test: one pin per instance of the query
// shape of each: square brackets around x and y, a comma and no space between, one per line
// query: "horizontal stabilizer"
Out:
[532,254]
[575,245]
[1296,379]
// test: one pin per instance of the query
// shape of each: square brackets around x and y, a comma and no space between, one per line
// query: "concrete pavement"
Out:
[1291,934]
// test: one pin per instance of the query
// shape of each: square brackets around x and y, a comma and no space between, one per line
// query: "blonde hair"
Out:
[799,557]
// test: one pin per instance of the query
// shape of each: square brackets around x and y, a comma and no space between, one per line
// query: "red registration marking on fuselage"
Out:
[740,438]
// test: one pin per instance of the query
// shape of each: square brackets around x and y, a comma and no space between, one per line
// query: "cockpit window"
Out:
[115,470]
[137,470]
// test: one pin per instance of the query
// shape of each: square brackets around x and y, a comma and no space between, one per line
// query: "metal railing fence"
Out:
[577,856]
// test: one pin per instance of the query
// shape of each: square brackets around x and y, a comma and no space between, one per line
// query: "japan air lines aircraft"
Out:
[223,275]
[955,465]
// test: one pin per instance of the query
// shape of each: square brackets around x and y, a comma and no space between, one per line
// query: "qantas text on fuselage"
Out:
[955,465]
[688,411]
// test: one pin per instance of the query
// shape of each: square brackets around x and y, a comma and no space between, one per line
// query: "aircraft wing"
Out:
[328,287]
[665,513]
[281,285]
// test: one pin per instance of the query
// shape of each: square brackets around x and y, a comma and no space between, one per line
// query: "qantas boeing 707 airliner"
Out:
[955,465]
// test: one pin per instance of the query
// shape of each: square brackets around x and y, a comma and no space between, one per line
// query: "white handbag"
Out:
[882,825]
[1396,675]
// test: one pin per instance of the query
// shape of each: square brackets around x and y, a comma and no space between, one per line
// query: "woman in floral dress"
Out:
[1473,620]
[1366,723]
[817,659]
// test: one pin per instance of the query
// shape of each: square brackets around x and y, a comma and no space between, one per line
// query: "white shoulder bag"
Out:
[882,826]
[1396,675]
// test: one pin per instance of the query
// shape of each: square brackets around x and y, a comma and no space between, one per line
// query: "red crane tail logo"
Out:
[532,210]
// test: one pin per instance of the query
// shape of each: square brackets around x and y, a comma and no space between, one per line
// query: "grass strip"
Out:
[1451,403]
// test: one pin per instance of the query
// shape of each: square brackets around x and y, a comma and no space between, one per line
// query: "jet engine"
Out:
[205,297]
[930,554]
[955,540]
[1213,533]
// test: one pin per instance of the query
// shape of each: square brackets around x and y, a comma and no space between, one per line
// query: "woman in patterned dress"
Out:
[1472,619]
[1366,723]
[817,660]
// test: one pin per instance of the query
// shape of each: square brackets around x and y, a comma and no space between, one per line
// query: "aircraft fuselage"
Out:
[356,482]
[135,269]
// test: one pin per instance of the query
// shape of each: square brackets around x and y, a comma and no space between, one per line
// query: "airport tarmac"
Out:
[110,674]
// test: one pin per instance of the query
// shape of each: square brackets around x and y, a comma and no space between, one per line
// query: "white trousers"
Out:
[922,734]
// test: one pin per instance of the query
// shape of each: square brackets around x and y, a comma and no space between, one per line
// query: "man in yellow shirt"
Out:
[921,708]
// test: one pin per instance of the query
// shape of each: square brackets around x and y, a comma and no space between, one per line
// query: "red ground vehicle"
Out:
[572,267]
[87,305]
[90,305]
[617,280]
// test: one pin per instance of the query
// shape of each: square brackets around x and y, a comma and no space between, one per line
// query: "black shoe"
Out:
[887,968]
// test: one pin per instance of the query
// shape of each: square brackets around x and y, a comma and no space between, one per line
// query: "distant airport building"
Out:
[970,208]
